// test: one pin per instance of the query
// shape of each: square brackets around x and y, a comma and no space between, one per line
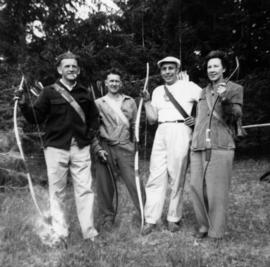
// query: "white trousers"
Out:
[169,159]
[78,162]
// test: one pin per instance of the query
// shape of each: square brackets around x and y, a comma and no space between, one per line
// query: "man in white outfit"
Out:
[170,150]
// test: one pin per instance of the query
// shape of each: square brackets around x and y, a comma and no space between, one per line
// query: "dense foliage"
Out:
[146,30]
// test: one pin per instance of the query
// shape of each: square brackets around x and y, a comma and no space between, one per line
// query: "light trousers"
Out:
[168,161]
[217,181]
[77,161]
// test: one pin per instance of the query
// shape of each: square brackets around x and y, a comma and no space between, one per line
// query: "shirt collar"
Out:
[124,97]
[70,88]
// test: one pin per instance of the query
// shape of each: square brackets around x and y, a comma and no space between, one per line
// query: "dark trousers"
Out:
[121,159]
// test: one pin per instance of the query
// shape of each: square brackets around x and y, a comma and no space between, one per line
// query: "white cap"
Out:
[169,60]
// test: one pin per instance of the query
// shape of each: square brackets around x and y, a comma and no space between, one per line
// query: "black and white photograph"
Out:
[134,133]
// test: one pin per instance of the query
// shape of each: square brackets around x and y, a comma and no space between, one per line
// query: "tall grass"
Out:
[245,244]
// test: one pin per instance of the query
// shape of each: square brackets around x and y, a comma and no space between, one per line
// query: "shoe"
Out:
[148,228]
[174,226]
[200,235]
[202,232]
[216,241]
[94,239]
[60,242]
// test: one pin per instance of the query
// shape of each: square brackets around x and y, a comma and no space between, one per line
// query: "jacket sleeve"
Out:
[93,120]
[40,109]
[232,105]
[94,123]
[93,116]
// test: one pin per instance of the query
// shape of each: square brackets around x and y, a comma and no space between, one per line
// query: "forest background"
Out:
[34,32]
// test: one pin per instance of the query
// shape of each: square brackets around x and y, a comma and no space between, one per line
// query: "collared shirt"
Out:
[185,92]
[62,123]
[113,129]
[229,109]
[70,88]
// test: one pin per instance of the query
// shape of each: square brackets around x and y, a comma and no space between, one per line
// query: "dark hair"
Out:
[66,55]
[113,71]
[217,54]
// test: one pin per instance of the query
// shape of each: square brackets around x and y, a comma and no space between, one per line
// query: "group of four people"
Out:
[74,122]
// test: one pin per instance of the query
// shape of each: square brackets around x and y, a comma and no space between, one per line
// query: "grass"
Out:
[247,241]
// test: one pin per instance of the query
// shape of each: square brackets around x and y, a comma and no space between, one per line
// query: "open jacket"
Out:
[62,123]
[223,130]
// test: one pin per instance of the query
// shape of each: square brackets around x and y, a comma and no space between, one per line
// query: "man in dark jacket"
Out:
[67,144]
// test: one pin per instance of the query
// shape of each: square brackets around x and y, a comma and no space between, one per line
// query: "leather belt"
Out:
[177,121]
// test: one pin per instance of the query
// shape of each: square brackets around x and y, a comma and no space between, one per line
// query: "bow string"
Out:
[19,144]
[137,140]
